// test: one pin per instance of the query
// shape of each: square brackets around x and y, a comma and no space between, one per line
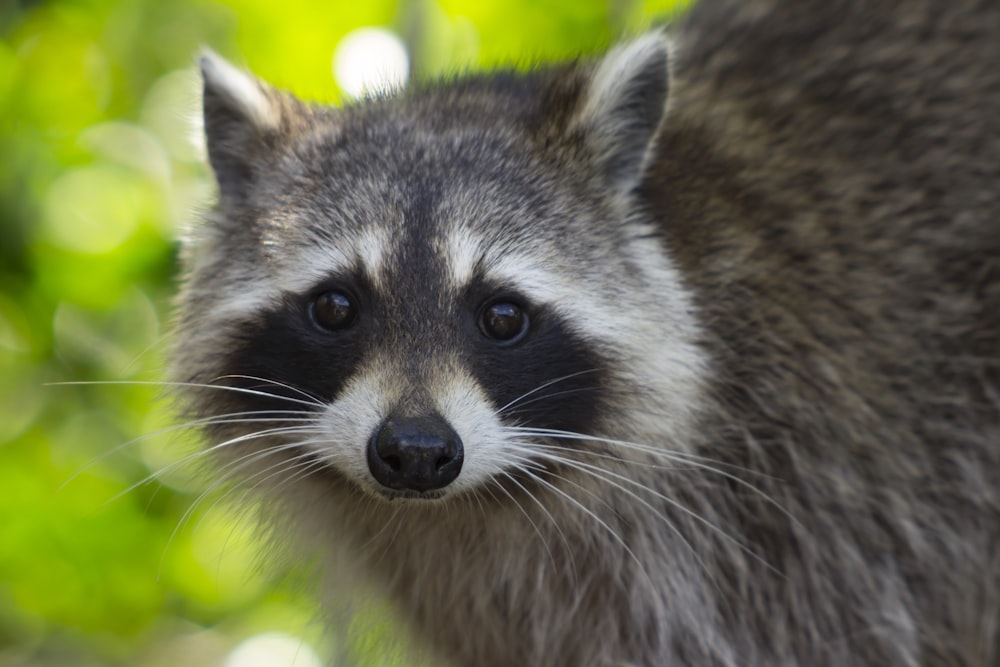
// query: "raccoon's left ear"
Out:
[246,123]
[622,107]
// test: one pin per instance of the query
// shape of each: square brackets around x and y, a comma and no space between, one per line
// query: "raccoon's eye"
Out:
[333,311]
[503,321]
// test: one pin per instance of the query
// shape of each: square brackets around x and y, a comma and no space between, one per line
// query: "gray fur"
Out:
[796,313]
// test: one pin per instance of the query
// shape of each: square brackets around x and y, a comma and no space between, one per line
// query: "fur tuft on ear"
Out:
[623,105]
[236,91]
[243,119]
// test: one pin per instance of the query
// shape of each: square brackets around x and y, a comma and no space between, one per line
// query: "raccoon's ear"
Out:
[245,123]
[622,107]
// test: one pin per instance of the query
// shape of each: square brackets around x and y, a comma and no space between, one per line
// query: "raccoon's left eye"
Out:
[333,311]
[503,321]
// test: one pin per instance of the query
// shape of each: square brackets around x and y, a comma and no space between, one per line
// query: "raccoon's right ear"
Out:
[246,121]
[623,106]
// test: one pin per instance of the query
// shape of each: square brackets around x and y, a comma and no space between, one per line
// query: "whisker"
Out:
[595,474]
[316,399]
[609,477]
[528,466]
[544,397]
[690,460]
[680,466]
[210,450]
[192,385]
[543,386]
[197,423]
[648,449]
[538,531]
[302,464]
[477,498]
[232,468]
[601,522]
[227,475]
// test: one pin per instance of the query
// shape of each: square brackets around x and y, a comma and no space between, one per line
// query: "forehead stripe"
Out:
[260,287]
[467,258]
[462,254]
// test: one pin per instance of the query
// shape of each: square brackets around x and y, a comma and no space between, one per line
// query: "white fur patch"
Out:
[248,297]
[372,250]
[352,419]
[254,289]
[461,254]
[464,405]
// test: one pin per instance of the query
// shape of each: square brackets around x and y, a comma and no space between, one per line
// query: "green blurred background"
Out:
[113,549]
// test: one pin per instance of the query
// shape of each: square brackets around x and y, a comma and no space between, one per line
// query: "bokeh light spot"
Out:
[370,60]
[93,209]
[273,649]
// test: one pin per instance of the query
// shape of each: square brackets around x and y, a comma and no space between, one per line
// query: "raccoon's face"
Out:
[422,293]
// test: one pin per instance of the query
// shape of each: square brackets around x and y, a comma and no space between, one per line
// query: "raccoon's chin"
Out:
[369,488]
[429,497]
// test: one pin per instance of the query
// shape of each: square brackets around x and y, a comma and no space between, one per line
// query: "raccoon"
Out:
[684,355]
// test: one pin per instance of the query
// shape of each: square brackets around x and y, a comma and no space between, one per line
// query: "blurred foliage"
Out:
[112,551]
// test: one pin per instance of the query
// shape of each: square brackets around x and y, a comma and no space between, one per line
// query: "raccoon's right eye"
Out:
[503,321]
[333,311]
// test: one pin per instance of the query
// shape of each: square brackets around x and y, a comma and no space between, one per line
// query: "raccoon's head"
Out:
[426,292]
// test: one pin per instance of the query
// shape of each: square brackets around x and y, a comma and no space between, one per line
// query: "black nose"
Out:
[415,453]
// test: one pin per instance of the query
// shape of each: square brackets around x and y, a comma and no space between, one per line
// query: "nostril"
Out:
[415,453]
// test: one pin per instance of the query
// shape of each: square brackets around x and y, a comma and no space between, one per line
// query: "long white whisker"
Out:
[316,400]
[588,512]
[302,465]
[270,451]
[647,449]
[205,452]
[304,416]
[194,385]
[231,468]
[543,386]
[531,467]
[544,397]
[528,466]
[527,516]
[657,513]
[302,462]
[690,460]
[680,466]
[609,477]
[234,469]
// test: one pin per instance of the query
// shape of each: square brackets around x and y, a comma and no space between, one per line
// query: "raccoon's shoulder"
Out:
[793,114]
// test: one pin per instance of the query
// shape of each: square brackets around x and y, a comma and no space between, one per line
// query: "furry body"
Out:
[759,392]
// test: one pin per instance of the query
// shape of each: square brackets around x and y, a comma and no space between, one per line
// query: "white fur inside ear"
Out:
[623,107]
[619,71]
[241,91]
